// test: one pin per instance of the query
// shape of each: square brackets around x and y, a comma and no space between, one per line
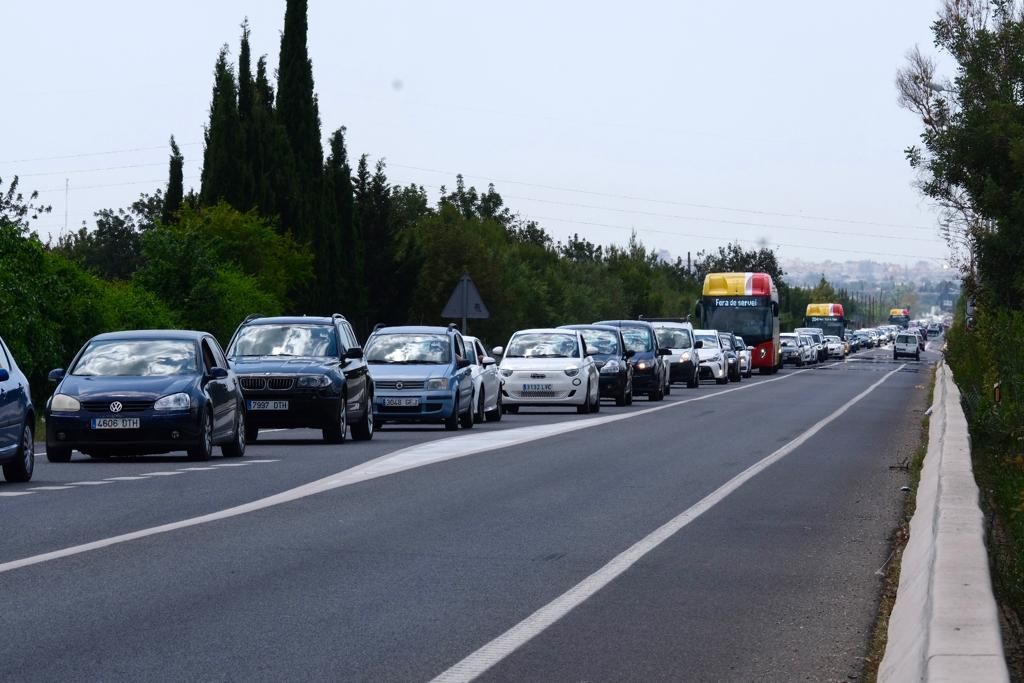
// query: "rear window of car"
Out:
[907,339]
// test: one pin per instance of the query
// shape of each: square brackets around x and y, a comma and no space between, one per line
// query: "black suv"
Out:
[303,371]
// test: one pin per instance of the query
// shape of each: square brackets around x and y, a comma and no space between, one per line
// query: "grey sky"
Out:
[777,107]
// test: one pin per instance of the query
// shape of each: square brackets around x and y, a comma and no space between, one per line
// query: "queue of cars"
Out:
[155,391]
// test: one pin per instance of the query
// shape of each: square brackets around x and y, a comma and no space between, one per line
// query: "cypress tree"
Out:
[175,184]
[340,215]
[223,139]
[250,152]
[297,106]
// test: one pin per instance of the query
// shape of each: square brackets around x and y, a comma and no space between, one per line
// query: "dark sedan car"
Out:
[303,371]
[17,420]
[611,359]
[650,371]
[149,391]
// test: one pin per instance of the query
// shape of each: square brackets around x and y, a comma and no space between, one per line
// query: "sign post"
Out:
[465,302]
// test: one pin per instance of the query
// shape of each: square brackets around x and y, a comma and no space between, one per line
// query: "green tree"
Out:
[175,184]
[220,175]
[733,258]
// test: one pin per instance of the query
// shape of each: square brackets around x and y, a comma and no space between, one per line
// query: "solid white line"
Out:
[406,459]
[161,474]
[50,488]
[231,464]
[12,494]
[504,645]
[88,483]
[123,478]
[197,469]
[260,462]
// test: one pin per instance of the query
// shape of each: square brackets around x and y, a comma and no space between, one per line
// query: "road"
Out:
[729,533]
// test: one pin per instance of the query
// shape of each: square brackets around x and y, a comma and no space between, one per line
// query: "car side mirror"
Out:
[355,353]
[630,353]
[4,375]
[55,375]
[698,344]
[463,363]
[498,351]
[664,352]
[218,373]
[488,361]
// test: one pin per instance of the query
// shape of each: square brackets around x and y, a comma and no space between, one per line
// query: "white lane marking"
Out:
[260,462]
[169,473]
[504,645]
[406,459]
[50,488]
[231,464]
[12,494]
[123,478]
[88,483]
[197,469]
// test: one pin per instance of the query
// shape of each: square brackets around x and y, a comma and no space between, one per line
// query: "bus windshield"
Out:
[753,324]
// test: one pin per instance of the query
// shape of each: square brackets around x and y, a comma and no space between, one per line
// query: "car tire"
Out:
[363,430]
[668,389]
[451,423]
[252,432]
[584,408]
[917,356]
[596,408]
[895,356]
[338,432]
[58,454]
[236,449]
[24,464]
[722,380]
[694,381]
[478,415]
[622,398]
[466,420]
[204,449]
[495,415]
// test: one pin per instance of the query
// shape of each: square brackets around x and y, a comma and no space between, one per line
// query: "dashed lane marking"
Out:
[12,494]
[89,483]
[51,488]
[124,478]
[169,473]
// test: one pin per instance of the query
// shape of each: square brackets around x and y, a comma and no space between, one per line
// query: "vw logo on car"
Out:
[116,407]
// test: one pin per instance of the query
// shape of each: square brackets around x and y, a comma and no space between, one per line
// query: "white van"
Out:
[906,345]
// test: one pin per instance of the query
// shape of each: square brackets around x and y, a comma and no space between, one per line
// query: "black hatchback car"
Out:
[17,420]
[303,371]
[650,371]
[146,391]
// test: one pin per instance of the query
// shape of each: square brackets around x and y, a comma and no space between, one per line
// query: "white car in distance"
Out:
[486,384]
[834,345]
[548,367]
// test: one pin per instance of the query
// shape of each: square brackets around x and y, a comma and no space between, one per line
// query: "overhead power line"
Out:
[92,170]
[98,154]
[673,202]
[695,236]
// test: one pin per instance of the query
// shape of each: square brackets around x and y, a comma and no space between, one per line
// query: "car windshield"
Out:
[709,340]
[637,339]
[740,344]
[396,348]
[543,345]
[726,342]
[137,358]
[285,340]
[605,342]
[672,338]
[788,341]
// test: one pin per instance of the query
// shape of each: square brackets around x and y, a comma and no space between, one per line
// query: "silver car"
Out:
[746,358]
[713,364]
[486,383]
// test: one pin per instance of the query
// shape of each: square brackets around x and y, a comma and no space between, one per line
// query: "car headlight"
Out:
[64,403]
[436,384]
[685,357]
[506,372]
[642,365]
[732,360]
[314,381]
[179,401]
[572,372]
[610,367]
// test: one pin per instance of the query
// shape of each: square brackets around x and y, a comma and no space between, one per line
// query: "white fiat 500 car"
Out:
[548,367]
[834,345]
[713,364]
[486,384]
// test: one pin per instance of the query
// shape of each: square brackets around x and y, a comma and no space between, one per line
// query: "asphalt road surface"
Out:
[728,533]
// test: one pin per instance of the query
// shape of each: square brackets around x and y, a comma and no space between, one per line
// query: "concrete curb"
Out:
[945,624]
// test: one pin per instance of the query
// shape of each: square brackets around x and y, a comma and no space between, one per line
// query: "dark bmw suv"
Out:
[303,371]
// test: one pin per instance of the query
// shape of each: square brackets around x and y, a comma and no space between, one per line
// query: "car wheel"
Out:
[467,419]
[917,356]
[597,402]
[451,423]
[668,389]
[478,416]
[363,430]
[236,449]
[252,432]
[584,408]
[656,395]
[204,449]
[58,454]
[722,380]
[495,415]
[895,356]
[337,432]
[694,381]
[622,398]
[20,470]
